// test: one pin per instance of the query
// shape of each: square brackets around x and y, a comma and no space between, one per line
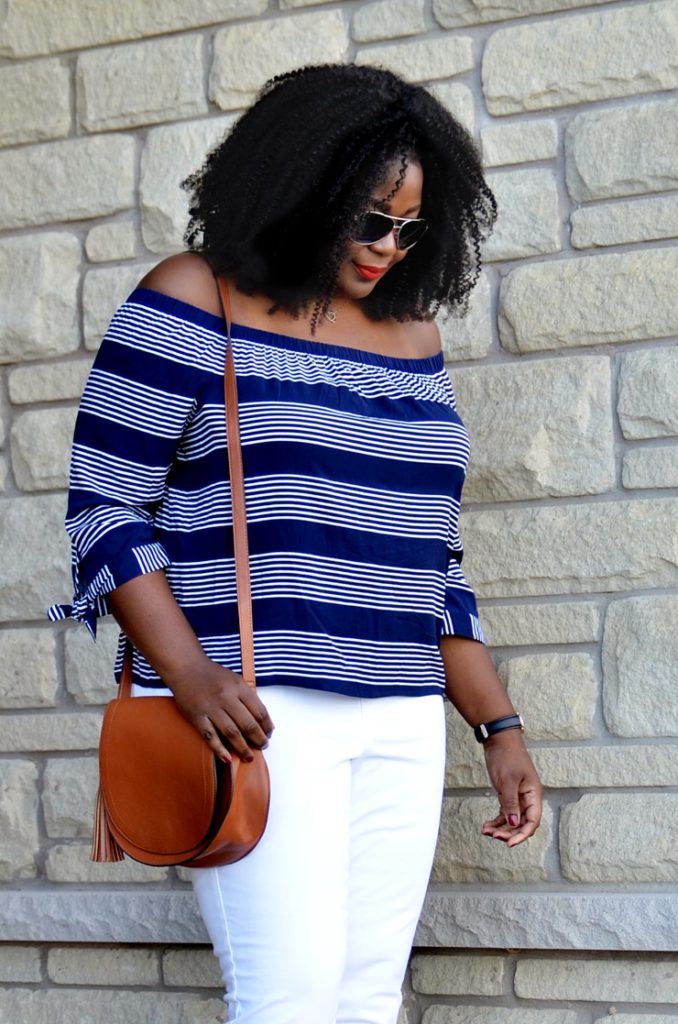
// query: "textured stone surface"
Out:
[622,980]
[41,448]
[34,565]
[29,678]
[651,467]
[590,300]
[458,974]
[572,548]
[44,1006]
[648,393]
[170,154]
[387,19]
[69,790]
[110,966]
[555,423]
[469,337]
[272,46]
[519,143]
[528,222]
[452,13]
[48,382]
[18,820]
[623,765]
[40,272]
[35,102]
[72,863]
[558,61]
[20,963]
[560,622]
[458,99]
[31,196]
[89,665]
[623,150]
[423,59]
[620,837]
[141,84]
[189,968]
[634,1018]
[464,855]
[640,654]
[114,241]
[496,1015]
[44,27]
[555,692]
[105,288]
[3,474]
[632,220]
[58,731]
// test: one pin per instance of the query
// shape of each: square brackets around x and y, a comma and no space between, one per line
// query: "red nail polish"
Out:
[513,820]
[226,758]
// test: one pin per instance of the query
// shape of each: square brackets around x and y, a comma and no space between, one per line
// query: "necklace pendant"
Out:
[331,315]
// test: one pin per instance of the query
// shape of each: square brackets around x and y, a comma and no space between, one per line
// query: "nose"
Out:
[386,245]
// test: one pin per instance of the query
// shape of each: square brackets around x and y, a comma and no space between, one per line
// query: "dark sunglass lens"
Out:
[373,227]
[411,233]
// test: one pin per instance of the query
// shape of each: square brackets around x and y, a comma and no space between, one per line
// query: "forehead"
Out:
[408,191]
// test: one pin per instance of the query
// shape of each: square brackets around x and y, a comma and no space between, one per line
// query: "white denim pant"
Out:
[316,924]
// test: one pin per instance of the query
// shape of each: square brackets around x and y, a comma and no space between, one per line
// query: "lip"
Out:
[369,273]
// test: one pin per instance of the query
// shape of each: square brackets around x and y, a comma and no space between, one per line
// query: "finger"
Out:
[258,711]
[510,806]
[223,734]
[207,730]
[248,725]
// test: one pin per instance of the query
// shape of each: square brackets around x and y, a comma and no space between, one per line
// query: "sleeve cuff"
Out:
[457,622]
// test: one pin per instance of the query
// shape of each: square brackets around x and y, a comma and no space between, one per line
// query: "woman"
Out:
[344,209]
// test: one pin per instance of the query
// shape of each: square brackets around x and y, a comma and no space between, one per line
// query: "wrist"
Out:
[506,723]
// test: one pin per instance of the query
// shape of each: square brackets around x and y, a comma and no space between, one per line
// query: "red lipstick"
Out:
[369,273]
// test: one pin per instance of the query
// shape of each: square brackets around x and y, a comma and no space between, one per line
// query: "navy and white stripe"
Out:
[354,464]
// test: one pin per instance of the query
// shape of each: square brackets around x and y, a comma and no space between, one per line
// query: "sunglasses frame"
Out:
[397,223]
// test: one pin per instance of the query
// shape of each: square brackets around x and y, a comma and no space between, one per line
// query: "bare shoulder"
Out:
[188,277]
[424,336]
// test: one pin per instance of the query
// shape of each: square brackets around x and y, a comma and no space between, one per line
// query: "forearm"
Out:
[471,680]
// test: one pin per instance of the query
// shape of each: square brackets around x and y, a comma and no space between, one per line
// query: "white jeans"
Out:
[316,924]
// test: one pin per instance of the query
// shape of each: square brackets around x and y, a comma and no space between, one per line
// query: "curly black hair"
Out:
[288,184]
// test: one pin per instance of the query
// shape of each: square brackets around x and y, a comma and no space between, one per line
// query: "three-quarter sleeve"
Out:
[460,613]
[139,396]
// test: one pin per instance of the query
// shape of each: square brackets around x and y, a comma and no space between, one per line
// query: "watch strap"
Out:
[483,731]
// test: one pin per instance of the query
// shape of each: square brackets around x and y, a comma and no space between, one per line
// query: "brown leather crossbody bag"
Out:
[164,797]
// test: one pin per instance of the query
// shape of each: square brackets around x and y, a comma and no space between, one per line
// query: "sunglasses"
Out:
[407,231]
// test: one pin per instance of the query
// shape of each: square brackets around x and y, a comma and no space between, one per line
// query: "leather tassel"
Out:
[104,844]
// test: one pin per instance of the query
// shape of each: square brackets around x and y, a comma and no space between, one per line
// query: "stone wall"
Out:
[566,372]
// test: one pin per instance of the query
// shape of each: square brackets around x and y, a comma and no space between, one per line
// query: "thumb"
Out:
[510,807]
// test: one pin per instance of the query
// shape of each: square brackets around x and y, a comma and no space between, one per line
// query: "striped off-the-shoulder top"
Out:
[354,464]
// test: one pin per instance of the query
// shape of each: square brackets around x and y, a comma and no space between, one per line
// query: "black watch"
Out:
[483,731]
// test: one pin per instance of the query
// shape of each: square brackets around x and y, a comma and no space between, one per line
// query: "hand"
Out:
[223,708]
[516,781]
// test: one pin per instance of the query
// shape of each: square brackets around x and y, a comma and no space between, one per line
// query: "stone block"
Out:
[44,1006]
[35,102]
[142,83]
[53,731]
[464,855]
[29,678]
[69,792]
[519,143]
[169,155]
[455,13]
[459,100]
[34,566]
[634,1018]
[48,382]
[556,693]
[632,220]
[496,1015]
[41,274]
[554,419]
[561,622]
[88,177]
[104,289]
[191,968]
[20,963]
[528,221]
[3,474]
[573,549]
[290,5]
[89,665]
[113,241]
[388,19]
[640,654]
[423,59]
[622,151]
[590,300]
[273,45]
[41,448]
[623,765]
[72,863]
[632,979]
[469,337]
[46,27]
[620,837]
[19,837]
[458,974]
[648,393]
[465,762]
[651,467]
[556,62]
[80,965]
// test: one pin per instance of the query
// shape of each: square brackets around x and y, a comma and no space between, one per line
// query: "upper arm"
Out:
[188,277]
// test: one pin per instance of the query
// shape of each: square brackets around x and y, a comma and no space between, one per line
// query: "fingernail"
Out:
[226,758]
[513,820]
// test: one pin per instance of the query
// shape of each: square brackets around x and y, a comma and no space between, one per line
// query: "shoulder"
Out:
[187,277]
[423,336]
